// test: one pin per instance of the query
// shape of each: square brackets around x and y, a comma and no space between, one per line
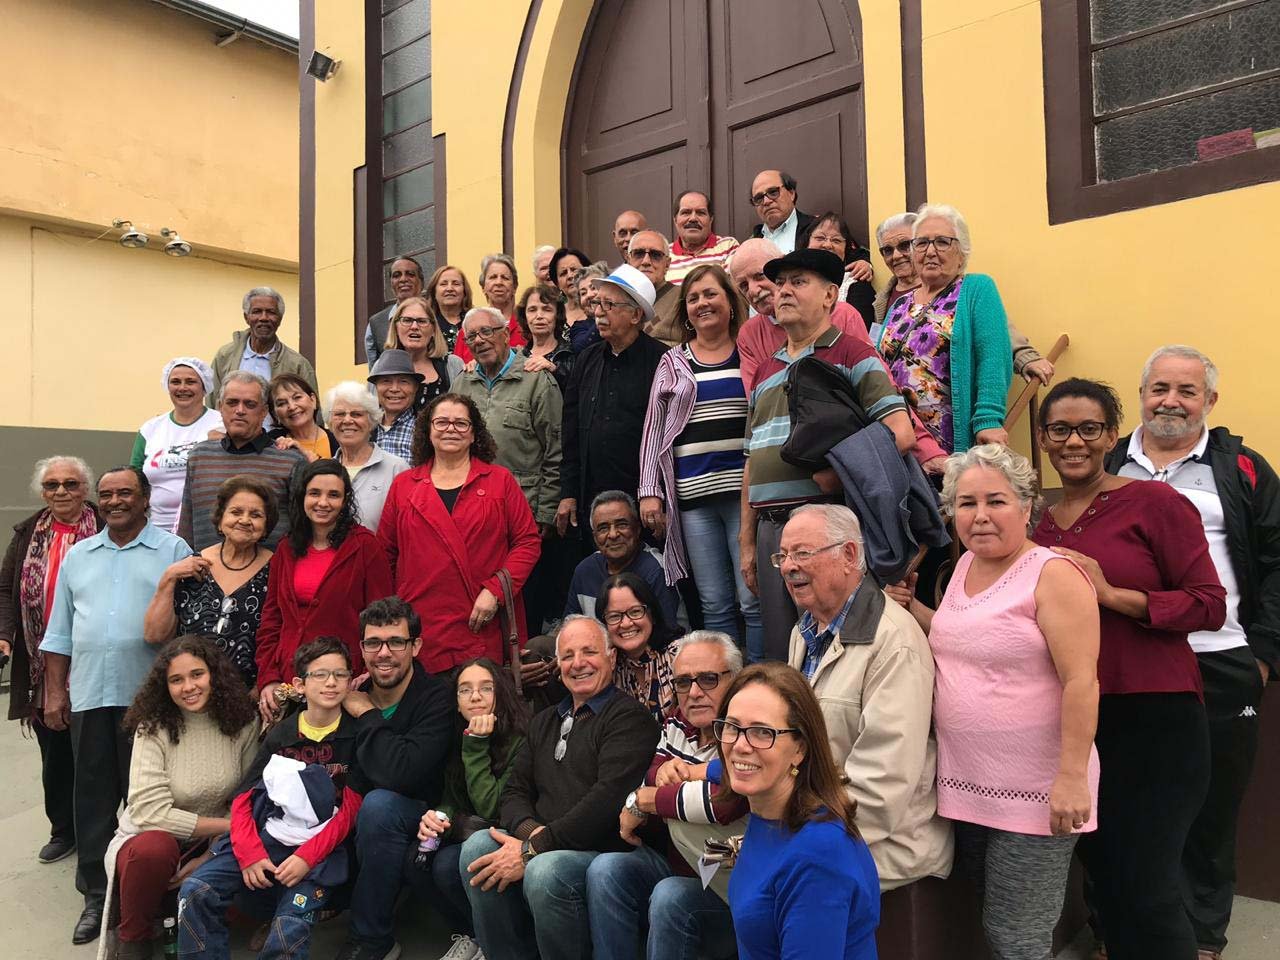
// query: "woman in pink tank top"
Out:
[1015,703]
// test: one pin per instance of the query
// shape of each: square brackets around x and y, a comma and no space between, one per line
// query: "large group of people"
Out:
[648,525]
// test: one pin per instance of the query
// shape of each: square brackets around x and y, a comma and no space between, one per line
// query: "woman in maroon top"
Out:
[330,569]
[1143,545]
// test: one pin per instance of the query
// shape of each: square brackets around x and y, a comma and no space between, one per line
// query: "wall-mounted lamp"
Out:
[132,237]
[176,247]
[322,67]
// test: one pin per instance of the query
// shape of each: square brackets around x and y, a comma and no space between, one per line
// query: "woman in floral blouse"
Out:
[643,640]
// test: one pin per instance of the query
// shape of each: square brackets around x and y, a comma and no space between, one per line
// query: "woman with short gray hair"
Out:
[27,581]
[353,414]
[498,279]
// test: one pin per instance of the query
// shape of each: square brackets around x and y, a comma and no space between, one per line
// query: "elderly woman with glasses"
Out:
[454,526]
[354,414]
[414,330]
[27,581]
[644,641]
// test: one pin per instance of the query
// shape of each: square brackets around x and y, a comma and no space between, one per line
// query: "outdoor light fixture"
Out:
[176,247]
[322,67]
[132,237]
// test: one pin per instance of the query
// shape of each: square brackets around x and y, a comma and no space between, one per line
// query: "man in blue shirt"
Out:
[95,638]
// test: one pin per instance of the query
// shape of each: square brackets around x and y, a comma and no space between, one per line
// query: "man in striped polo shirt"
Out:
[808,284]
[245,449]
[695,244]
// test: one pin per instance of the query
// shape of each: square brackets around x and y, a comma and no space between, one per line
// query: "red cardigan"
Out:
[441,561]
[358,575]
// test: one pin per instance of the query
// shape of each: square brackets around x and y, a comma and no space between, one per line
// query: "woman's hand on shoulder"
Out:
[194,566]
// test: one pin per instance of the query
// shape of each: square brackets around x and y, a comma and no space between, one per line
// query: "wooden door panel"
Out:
[646,184]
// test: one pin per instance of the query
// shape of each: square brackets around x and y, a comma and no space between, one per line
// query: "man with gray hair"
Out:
[257,349]
[871,669]
[650,253]
[1238,496]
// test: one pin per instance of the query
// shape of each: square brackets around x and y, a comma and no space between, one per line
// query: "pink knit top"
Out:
[997,703]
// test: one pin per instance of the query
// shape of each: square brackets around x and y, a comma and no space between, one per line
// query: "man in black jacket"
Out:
[560,808]
[606,400]
[1238,496]
[405,732]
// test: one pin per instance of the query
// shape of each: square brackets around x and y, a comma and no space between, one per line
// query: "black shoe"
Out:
[89,926]
[354,950]
[55,850]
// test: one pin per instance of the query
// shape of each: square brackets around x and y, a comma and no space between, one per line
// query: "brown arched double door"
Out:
[677,94]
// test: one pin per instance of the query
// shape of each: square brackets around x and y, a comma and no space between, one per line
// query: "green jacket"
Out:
[522,411]
[283,360]
[470,786]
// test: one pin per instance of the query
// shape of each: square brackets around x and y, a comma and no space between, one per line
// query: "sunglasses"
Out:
[562,746]
[889,249]
[49,486]
[706,681]
[771,193]
[643,253]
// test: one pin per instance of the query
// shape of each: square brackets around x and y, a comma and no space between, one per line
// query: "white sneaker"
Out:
[464,948]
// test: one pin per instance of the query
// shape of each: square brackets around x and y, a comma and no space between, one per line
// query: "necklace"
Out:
[223,546]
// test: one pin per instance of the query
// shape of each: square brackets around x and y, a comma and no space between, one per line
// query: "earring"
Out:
[794,770]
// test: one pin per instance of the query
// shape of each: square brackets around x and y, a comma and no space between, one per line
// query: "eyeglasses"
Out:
[323,675]
[941,244]
[902,246]
[466,690]
[562,746]
[394,644]
[482,333]
[614,617]
[1060,432]
[224,621]
[802,556]
[415,321]
[769,193]
[49,486]
[760,737]
[609,305]
[643,253]
[706,681]
[444,423]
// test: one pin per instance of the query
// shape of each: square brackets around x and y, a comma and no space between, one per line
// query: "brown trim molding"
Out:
[916,167]
[509,127]
[359,259]
[306,183]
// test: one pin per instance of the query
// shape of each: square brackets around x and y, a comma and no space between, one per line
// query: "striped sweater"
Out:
[692,801]
[716,250]
[214,461]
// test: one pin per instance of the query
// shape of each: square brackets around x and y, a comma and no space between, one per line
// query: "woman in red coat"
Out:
[330,569]
[449,525]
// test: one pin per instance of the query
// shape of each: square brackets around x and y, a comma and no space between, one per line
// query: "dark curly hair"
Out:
[547,293]
[663,632]
[300,523]
[482,443]
[230,703]
[738,309]
[511,711]
[559,255]
[244,483]
[851,245]
[1100,393]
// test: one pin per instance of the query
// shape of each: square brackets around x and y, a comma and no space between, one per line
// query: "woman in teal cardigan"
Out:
[947,342]
[493,719]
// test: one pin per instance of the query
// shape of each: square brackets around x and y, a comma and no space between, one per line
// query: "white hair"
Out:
[954,217]
[899,221]
[266,292]
[42,467]
[1014,467]
[539,251]
[357,395]
[1182,352]
[492,312]
[582,617]
[666,244]
[842,525]
[489,259]
[245,376]
[732,654]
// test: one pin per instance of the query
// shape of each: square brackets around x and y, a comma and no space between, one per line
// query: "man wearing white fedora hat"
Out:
[606,399]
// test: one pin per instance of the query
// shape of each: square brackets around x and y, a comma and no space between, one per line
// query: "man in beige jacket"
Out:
[872,671]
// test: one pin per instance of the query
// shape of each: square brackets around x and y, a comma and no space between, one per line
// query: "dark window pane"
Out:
[408,191]
[411,20]
[406,149]
[389,5]
[411,105]
[414,232]
[1166,136]
[1111,18]
[406,65]
[1225,47]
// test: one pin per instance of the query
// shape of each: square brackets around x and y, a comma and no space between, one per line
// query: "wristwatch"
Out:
[527,852]
[633,808]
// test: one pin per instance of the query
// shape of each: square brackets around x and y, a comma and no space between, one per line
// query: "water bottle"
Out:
[170,938]
[431,844]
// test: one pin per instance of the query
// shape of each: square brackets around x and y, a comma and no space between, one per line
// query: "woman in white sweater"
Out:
[195,734]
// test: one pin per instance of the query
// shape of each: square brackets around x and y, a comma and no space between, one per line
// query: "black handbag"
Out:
[824,411]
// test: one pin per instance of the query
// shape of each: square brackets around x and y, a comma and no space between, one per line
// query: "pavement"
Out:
[41,904]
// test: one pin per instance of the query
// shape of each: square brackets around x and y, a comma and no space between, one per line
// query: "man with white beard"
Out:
[1238,496]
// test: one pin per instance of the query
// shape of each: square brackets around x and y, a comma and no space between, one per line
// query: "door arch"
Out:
[670,95]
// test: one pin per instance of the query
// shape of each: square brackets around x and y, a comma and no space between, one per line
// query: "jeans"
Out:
[206,894]
[545,916]
[627,892]
[711,542]
[441,885]
[386,839]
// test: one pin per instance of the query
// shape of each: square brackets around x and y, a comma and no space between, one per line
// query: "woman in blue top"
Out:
[804,884]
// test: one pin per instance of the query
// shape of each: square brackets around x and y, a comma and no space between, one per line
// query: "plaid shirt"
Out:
[397,439]
[815,643]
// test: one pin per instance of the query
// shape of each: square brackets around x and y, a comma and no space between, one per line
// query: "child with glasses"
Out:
[289,822]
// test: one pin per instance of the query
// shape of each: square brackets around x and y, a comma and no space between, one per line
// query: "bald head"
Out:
[747,270]
[628,224]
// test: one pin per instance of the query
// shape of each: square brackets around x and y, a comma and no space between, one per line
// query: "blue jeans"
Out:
[628,891]
[544,916]
[202,907]
[442,886]
[386,839]
[711,542]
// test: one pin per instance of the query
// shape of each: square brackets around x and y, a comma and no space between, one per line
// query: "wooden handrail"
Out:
[1033,385]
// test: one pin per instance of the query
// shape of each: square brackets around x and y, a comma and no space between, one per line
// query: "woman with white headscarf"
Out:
[164,441]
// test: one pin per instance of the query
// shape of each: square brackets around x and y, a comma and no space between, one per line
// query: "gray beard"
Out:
[1171,428]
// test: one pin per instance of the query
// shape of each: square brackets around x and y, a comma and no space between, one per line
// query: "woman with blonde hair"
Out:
[415,330]
[449,295]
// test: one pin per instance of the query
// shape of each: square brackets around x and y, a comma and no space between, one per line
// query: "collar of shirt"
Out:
[785,235]
[511,358]
[816,643]
[149,536]
[678,250]
[595,704]
[1136,454]
[826,339]
[250,353]
[256,445]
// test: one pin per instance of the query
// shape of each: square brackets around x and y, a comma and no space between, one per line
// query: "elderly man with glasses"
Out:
[558,812]
[650,253]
